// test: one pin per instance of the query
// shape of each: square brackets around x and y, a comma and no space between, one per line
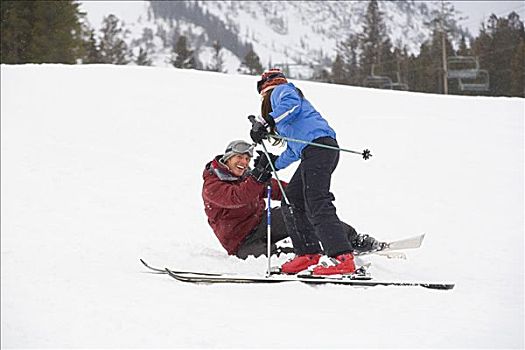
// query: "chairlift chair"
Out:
[399,86]
[378,82]
[480,83]
[462,67]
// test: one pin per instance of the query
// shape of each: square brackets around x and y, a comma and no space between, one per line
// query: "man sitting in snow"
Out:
[233,195]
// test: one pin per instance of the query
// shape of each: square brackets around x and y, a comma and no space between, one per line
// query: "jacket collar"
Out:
[220,170]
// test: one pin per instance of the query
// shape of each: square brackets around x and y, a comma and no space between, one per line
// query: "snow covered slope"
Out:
[101,166]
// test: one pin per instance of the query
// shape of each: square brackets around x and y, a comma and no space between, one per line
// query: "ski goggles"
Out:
[240,147]
[261,82]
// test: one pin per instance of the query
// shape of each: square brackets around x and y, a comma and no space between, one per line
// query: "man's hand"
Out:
[262,171]
[262,161]
[261,175]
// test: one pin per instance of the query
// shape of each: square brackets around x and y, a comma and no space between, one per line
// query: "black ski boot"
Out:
[365,244]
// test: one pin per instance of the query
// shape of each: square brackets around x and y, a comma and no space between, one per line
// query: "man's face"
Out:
[238,164]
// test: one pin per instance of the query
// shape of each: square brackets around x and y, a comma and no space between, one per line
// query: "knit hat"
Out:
[270,79]
[237,147]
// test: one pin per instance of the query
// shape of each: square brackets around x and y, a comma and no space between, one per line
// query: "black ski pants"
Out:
[313,211]
[256,242]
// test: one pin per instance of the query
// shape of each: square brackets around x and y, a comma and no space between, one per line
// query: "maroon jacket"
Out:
[234,206]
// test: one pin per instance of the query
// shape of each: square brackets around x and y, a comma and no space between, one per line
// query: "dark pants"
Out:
[314,213]
[256,242]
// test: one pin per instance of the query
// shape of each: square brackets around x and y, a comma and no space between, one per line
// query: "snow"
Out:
[101,166]
[296,35]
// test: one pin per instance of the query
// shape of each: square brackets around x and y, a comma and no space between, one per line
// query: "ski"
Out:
[360,273]
[407,243]
[349,280]
[362,278]
[392,249]
[163,271]
[389,249]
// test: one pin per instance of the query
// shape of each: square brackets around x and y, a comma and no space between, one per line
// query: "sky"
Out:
[479,11]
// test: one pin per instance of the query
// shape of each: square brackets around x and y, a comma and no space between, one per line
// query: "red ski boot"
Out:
[344,264]
[300,263]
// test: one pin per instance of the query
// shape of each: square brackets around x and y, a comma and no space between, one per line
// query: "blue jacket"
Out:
[296,118]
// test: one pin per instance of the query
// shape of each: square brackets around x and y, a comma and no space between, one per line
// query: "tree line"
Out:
[493,63]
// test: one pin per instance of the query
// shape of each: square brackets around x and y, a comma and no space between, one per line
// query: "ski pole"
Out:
[269,230]
[366,153]
[274,171]
[251,118]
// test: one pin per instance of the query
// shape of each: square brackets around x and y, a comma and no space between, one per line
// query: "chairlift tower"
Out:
[444,49]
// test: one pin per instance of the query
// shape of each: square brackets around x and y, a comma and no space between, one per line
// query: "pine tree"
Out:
[374,36]
[40,31]
[345,68]
[217,64]
[182,57]
[445,19]
[428,73]
[463,49]
[322,75]
[143,58]
[388,66]
[91,51]
[339,73]
[113,47]
[430,64]
[146,47]
[251,64]
[517,84]
[498,47]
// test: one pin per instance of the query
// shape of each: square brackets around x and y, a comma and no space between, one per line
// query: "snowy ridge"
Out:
[102,165]
[299,34]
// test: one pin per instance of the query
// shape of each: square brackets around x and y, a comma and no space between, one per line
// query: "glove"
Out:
[258,132]
[261,175]
[262,171]
[262,161]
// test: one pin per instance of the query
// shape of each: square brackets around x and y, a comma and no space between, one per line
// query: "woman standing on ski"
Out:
[286,112]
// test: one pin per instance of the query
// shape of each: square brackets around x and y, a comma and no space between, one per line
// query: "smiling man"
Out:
[233,195]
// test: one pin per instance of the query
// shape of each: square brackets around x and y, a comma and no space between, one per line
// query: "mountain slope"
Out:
[297,34]
[102,165]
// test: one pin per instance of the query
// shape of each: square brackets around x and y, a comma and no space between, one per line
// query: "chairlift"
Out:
[378,82]
[385,82]
[399,85]
[478,84]
[462,67]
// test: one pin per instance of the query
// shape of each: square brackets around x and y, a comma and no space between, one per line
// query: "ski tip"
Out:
[145,263]
[446,286]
